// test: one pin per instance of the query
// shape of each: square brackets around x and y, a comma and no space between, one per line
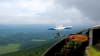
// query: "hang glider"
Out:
[60,27]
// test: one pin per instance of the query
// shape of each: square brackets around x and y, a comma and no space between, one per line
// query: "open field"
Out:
[9,48]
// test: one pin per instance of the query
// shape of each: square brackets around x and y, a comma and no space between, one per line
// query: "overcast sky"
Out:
[69,12]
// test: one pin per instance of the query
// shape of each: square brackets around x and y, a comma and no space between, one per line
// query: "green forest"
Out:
[34,51]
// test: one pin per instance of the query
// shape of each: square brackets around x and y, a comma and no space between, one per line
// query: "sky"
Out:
[68,12]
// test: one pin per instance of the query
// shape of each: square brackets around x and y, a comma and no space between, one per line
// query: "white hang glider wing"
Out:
[60,27]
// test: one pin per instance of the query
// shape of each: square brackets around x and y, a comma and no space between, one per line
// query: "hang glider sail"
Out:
[60,27]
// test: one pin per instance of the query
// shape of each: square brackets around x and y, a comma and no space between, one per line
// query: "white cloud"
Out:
[40,12]
[68,17]
[25,7]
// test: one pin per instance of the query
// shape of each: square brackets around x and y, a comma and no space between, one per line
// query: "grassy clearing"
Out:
[38,40]
[93,52]
[9,48]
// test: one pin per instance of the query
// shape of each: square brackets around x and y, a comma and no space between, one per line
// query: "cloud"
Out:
[70,16]
[89,8]
[69,12]
[24,7]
